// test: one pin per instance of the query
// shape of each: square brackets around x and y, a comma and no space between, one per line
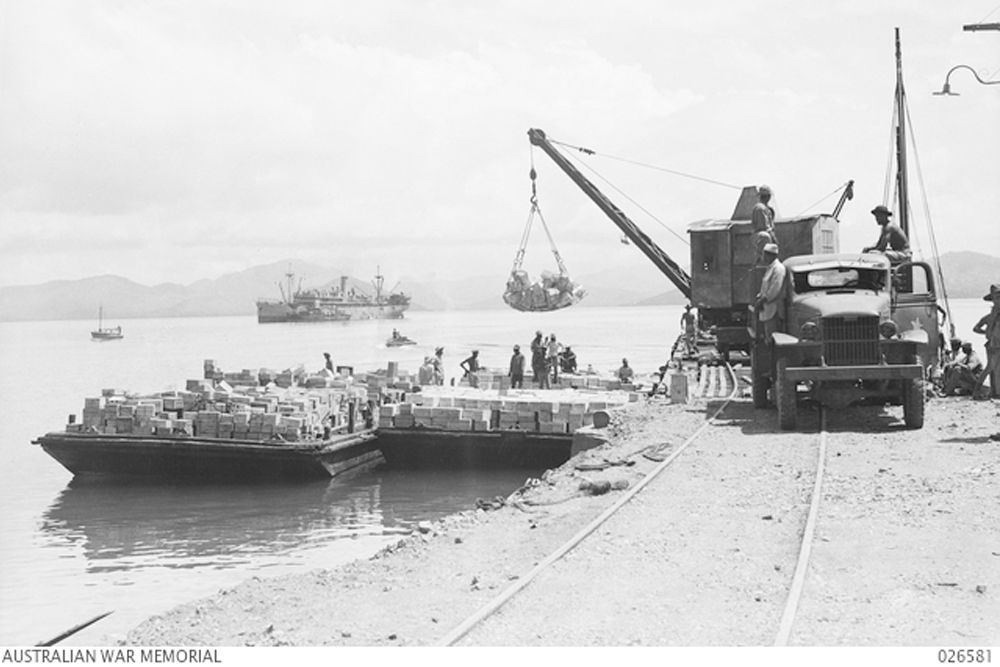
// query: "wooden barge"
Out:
[442,449]
[253,426]
[193,457]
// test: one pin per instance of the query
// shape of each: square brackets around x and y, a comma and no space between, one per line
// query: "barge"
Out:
[491,425]
[189,458]
[253,424]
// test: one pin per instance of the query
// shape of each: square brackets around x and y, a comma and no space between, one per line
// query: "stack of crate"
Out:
[215,409]
[470,409]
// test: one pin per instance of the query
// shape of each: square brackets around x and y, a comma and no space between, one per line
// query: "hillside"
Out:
[967,275]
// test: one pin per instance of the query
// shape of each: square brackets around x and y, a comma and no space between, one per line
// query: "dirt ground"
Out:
[906,551]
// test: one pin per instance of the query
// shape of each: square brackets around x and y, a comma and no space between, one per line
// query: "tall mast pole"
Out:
[902,209]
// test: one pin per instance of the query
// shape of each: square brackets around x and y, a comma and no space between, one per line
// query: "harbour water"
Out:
[72,550]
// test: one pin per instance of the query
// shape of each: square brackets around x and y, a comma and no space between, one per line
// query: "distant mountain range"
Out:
[967,275]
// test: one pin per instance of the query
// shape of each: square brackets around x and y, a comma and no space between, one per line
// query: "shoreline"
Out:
[696,536]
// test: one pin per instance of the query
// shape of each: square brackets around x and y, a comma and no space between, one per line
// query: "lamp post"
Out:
[946,90]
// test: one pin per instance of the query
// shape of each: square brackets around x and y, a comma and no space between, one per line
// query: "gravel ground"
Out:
[907,548]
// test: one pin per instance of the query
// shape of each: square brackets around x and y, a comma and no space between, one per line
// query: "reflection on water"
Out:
[127,526]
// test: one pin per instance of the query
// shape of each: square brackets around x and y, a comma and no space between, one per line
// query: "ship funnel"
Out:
[343,285]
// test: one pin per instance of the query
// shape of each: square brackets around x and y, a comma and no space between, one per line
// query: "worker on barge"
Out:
[516,369]
[470,365]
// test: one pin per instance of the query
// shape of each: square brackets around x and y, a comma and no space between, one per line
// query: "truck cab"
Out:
[856,329]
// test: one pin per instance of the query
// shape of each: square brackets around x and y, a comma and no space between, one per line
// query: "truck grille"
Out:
[850,341]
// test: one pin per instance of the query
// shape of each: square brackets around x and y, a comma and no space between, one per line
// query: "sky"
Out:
[183,140]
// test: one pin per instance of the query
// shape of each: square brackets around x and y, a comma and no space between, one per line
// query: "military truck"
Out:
[856,329]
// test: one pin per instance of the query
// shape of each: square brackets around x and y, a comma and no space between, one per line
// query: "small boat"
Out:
[110,333]
[398,340]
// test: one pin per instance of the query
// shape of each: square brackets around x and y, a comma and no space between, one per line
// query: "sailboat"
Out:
[111,333]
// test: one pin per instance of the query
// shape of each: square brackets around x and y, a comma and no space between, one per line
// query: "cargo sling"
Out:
[552,291]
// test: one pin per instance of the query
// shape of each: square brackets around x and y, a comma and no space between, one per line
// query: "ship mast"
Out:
[902,189]
[377,283]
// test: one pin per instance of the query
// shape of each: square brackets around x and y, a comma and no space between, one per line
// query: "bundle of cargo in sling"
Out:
[552,292]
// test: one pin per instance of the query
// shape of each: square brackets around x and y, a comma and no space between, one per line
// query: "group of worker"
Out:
[431,372]
[964,372]
[892,243]
[548,356]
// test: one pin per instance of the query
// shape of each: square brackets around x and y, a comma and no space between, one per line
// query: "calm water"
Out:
[72,550]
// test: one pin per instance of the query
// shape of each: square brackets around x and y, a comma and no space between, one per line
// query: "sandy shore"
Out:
[907,547]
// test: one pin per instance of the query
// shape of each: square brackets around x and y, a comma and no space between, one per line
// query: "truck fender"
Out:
[783,339]
[918,336]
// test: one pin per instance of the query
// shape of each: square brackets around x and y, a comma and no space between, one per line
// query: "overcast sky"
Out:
[176,141]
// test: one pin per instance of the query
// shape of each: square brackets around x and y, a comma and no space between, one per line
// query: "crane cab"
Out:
[724,277]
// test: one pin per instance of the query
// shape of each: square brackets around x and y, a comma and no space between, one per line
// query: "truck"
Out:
[856,329]
[724,280]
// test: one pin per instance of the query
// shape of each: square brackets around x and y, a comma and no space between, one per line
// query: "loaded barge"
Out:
[293,425]
[245,425]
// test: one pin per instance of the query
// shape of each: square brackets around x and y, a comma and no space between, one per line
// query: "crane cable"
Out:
[930,226]
[614,187]
[536,210]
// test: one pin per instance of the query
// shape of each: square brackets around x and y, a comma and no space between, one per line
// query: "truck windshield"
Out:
[841,277]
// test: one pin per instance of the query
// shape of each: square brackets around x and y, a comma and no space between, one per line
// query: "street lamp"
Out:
[946,90]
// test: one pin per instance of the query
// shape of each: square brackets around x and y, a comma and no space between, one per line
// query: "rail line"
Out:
[709,381]
[496,603]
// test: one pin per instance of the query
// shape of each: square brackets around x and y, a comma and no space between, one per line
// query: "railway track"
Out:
[492,624]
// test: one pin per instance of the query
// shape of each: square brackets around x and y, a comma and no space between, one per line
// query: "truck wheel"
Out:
[784,397]
[913,403]
[759,381]
[759,389]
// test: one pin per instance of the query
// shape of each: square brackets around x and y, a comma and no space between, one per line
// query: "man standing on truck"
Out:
[892,242]
[990,326]
[770,303]
[762,222]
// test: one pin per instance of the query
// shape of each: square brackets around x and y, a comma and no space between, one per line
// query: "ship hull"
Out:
[276,312]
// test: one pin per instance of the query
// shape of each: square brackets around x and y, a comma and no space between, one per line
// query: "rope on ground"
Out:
[501,599]
[798,581]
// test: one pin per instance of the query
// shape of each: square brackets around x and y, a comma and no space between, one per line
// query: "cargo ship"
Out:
[338,303]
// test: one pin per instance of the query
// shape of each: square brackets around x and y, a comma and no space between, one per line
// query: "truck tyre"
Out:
[759,388]
[759,381]
[913,403]
[784,397]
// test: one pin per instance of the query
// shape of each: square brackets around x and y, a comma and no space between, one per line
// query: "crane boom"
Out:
[669,267]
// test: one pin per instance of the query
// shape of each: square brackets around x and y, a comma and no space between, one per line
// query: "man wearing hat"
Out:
[989,325]
[762,222]
[770,299]
[892,242]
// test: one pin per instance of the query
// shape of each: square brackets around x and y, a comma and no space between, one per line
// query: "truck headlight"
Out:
[888,329]
[809,331]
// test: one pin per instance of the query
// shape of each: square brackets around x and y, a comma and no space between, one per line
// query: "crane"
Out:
[663,262]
